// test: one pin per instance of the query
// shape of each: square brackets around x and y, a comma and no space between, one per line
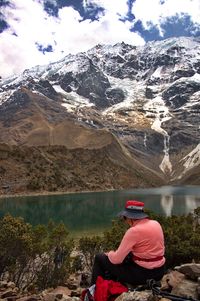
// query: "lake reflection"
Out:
[93,212]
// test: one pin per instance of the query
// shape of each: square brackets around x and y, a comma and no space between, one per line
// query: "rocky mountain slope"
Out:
[141,103]
[57,168]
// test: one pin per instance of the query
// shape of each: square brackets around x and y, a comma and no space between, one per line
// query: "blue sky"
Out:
[36,32]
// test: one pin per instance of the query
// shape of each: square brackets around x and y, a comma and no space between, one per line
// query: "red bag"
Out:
[108,290]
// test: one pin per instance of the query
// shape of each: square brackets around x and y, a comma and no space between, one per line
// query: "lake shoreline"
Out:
[46,193]
[50,193]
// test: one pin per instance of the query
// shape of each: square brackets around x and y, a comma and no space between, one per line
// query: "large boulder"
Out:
[190,270]
[180,285]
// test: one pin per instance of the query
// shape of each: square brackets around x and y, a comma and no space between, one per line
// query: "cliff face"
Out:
[141,103]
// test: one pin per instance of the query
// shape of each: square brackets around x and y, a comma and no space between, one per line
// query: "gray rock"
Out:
[179,93]
[182,73]
[186,288]
[44,87]
[59,293]
[190,270]
[115,95]
[135,296]
[179,285]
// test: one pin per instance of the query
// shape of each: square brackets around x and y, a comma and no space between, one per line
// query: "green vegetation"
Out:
[34,256]
[41,256]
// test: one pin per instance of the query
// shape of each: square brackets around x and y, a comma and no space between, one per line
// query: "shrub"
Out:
[34,256]
[89,247]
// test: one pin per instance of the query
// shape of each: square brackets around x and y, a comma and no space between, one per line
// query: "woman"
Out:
[143,242]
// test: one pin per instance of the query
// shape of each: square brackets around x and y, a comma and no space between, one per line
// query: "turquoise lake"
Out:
[92,213]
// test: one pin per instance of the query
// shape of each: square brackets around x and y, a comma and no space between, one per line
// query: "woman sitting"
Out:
[143,242]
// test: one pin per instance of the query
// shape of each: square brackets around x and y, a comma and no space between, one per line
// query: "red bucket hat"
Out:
[133,209]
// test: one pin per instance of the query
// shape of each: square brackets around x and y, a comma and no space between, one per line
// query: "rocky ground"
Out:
[183,281]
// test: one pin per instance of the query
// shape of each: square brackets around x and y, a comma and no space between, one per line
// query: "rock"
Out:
[8,293]
[72,283]
[12,285]
[3,284]
[71,286]
[115,95]
[88,81]
[179,285]
[182,73]
[59,293]
[69,82]
[49,297]
[171,280]
[186,288]
[76,293]
[190,270]
[179,93]
[44,87]
[61,290]
[135,296]
[34,298]
[149,93]
[29,298]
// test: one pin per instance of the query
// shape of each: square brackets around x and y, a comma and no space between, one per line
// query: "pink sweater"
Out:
[145,239]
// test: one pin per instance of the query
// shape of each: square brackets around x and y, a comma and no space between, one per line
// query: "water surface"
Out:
[88,213]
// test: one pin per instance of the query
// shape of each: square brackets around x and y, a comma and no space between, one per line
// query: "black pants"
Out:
[126,272]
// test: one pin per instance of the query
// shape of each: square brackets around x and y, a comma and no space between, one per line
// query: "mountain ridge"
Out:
[146,98]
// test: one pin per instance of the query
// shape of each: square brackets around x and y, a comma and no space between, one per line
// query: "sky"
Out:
[36,32]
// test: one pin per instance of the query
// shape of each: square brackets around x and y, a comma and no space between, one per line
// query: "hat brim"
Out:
[132,214]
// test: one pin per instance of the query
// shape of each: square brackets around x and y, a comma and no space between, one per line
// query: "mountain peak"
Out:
[147,97]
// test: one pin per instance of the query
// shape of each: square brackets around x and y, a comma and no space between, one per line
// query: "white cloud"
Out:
[66,33]
[152,12]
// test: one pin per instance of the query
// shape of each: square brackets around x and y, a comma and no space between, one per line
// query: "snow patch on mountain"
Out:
[157,73]
[182,43]
[5,95]
[72,101]
[192,159]
[161,114]
[133,91]
[195,77]
[73,97]
[58,89]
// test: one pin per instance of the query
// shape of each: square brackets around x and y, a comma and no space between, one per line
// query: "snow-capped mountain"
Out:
[148,97]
